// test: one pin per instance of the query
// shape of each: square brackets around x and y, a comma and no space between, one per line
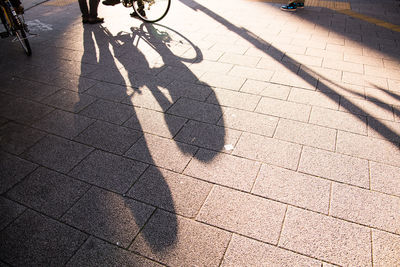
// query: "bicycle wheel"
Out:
[151,10]
[21,35]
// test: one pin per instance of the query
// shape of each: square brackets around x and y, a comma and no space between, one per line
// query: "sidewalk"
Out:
[230,134]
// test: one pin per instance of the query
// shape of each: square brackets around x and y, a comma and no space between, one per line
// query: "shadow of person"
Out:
[171,85]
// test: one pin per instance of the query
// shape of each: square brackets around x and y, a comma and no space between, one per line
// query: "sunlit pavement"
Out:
[232,133]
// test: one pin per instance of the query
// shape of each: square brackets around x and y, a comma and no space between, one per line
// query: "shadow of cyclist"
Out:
[153,78]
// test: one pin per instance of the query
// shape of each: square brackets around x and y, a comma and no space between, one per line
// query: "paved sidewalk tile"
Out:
[149,98]
[251,73]
[16,138]
[306,134]
[174,240]
[206,65]
[316,235]
[56,121]
[162,152]
[32,235]
[171,191]
[28,89]
[369,148]
[109,171]
[57,153]
[385,247]
[268,150]
[339,120]
[108,111]
[22,110]
[109,216]
[394,85]
[342,65]
[49,192]
[249,121]
[12,170]
[385,178]
[9,211]
[382,96]
[109,91]
[96,252]
[272,90]
[243,213]
[305,81]
[367,108]
[384,129]
[239,60]
[190,90]
[366,207]
[200,111]
[155,122]
[69,100]
[223,169]
[244,251]
[284,109]
[313,98]
[335,166]
[294,188]
[222,81]
[217,138]
[234,99]
[109,137]
[74,82]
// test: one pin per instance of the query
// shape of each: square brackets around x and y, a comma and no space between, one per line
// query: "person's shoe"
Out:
[300,5]
[96,20]
[111,2]
[85,20]
[19,10]
[290,7]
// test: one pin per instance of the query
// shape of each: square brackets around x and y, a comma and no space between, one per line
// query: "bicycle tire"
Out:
[21,35]
[155,10]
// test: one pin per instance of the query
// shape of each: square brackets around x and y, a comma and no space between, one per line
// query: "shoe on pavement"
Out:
[95,20]
[300,5]
[290,7]
[111,2]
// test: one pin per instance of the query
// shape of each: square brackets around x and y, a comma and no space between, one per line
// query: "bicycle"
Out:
[14,25]
[149,10]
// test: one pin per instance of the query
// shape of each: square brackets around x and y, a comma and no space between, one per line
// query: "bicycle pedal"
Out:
[4,35]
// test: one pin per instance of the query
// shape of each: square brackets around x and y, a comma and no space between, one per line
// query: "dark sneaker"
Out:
[96,20]
[291,7]
[111,2]
[85,20]
[300,5]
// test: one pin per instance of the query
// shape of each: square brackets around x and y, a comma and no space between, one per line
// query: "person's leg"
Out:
[84,10]
[93,18]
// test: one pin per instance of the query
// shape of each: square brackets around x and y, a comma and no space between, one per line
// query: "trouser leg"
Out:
[93,7]
[84,8]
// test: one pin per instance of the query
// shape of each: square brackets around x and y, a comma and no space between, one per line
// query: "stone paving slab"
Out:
[12,170]
[9,211]
[109,137]
[244,214]
[171,191]
[243,136]
[49,192]
[316,235]
[334,166]
[96,252]
[372,208]
[57,153]
[294,188]
[118,225]
[175,240]
[245,251]
[16,138]
[30,241]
